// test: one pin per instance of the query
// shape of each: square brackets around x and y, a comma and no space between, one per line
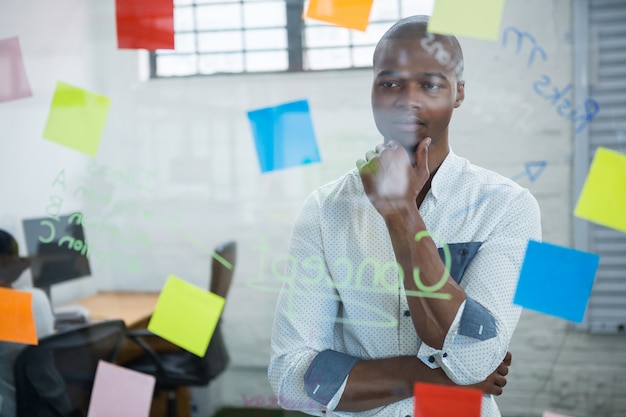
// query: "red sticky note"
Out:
[145,24]
[13,81]
[432,400]
[351,14]
[17,323]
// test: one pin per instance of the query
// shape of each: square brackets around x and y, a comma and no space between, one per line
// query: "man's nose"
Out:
[410,97]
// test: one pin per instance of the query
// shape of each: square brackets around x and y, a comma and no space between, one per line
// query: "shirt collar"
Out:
[445,174]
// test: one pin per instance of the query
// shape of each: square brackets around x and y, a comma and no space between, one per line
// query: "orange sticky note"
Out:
[17,323]
[432,400]
[351,14]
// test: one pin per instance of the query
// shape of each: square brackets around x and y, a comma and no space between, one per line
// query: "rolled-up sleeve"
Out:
[479,336]
[305,315]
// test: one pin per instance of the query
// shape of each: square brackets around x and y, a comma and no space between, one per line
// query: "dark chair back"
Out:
[221,276]
[216,357]
[55,378]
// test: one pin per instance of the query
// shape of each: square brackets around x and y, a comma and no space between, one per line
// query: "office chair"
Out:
[181,368]
[55,377]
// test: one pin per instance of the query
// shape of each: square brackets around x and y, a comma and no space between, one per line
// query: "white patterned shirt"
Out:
[342,290]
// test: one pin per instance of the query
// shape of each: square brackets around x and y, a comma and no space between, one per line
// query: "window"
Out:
[247,36]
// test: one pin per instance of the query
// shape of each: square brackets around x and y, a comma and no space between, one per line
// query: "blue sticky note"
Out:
[284,136]
[556,280]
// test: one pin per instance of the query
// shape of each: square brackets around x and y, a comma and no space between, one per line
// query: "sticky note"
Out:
[13,80]
[284,136]
[186,315]
[551,414]
[472,18]
[603,197]
[76,119]
[17,324]
[120,392]
[432,400]
[556,280]
[145,24]
[351,14]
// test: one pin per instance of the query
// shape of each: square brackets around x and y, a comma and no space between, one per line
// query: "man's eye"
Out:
[432,86]
[389,84]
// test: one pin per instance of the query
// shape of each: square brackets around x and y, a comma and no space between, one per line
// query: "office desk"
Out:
[135,308]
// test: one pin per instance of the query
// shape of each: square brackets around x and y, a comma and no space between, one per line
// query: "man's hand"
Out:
[496,381]
[390,181]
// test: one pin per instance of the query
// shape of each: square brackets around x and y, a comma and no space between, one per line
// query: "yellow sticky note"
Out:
[186,315]
[17,323]
[76,118]
[351,14]
[472,18]
[603,197]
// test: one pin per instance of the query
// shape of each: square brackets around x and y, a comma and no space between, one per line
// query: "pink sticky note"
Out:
[551,414]
[120,392]
[13,81]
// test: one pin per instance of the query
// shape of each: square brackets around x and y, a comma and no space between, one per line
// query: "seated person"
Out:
[11,267]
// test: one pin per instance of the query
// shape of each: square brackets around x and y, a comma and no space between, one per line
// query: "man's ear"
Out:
[460,93]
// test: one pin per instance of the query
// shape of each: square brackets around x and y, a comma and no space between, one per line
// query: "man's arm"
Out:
[379,382]
[392,184]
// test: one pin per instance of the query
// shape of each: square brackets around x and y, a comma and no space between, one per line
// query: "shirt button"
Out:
[445,355]
[431,359]
[407,313]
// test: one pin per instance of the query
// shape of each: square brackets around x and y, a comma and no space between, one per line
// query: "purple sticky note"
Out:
[13,81]
[120,392]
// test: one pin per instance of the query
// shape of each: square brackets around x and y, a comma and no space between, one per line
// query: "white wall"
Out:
[192,179]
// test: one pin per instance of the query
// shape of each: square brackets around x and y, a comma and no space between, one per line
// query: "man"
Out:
[354,332]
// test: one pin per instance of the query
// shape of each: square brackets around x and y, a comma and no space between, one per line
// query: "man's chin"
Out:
[407,141]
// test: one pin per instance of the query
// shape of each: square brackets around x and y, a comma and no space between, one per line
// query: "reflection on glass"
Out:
[225,16]
[320,59]
[183,19]
[317,36]
[172,65]
[215,63]
[264,14]
[220,41]
[266,39]
[267,61]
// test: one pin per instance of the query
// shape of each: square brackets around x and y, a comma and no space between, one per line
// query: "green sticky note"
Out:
[472,18]
[186,315]
[76,118]
[603,197]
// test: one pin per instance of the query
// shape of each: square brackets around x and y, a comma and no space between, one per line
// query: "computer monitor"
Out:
[57,249]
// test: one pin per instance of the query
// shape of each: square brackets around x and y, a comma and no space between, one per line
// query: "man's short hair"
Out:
[414,27]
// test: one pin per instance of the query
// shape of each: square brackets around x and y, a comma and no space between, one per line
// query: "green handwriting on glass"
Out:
[351,277]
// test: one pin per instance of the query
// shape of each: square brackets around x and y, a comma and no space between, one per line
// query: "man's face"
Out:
[413,95]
